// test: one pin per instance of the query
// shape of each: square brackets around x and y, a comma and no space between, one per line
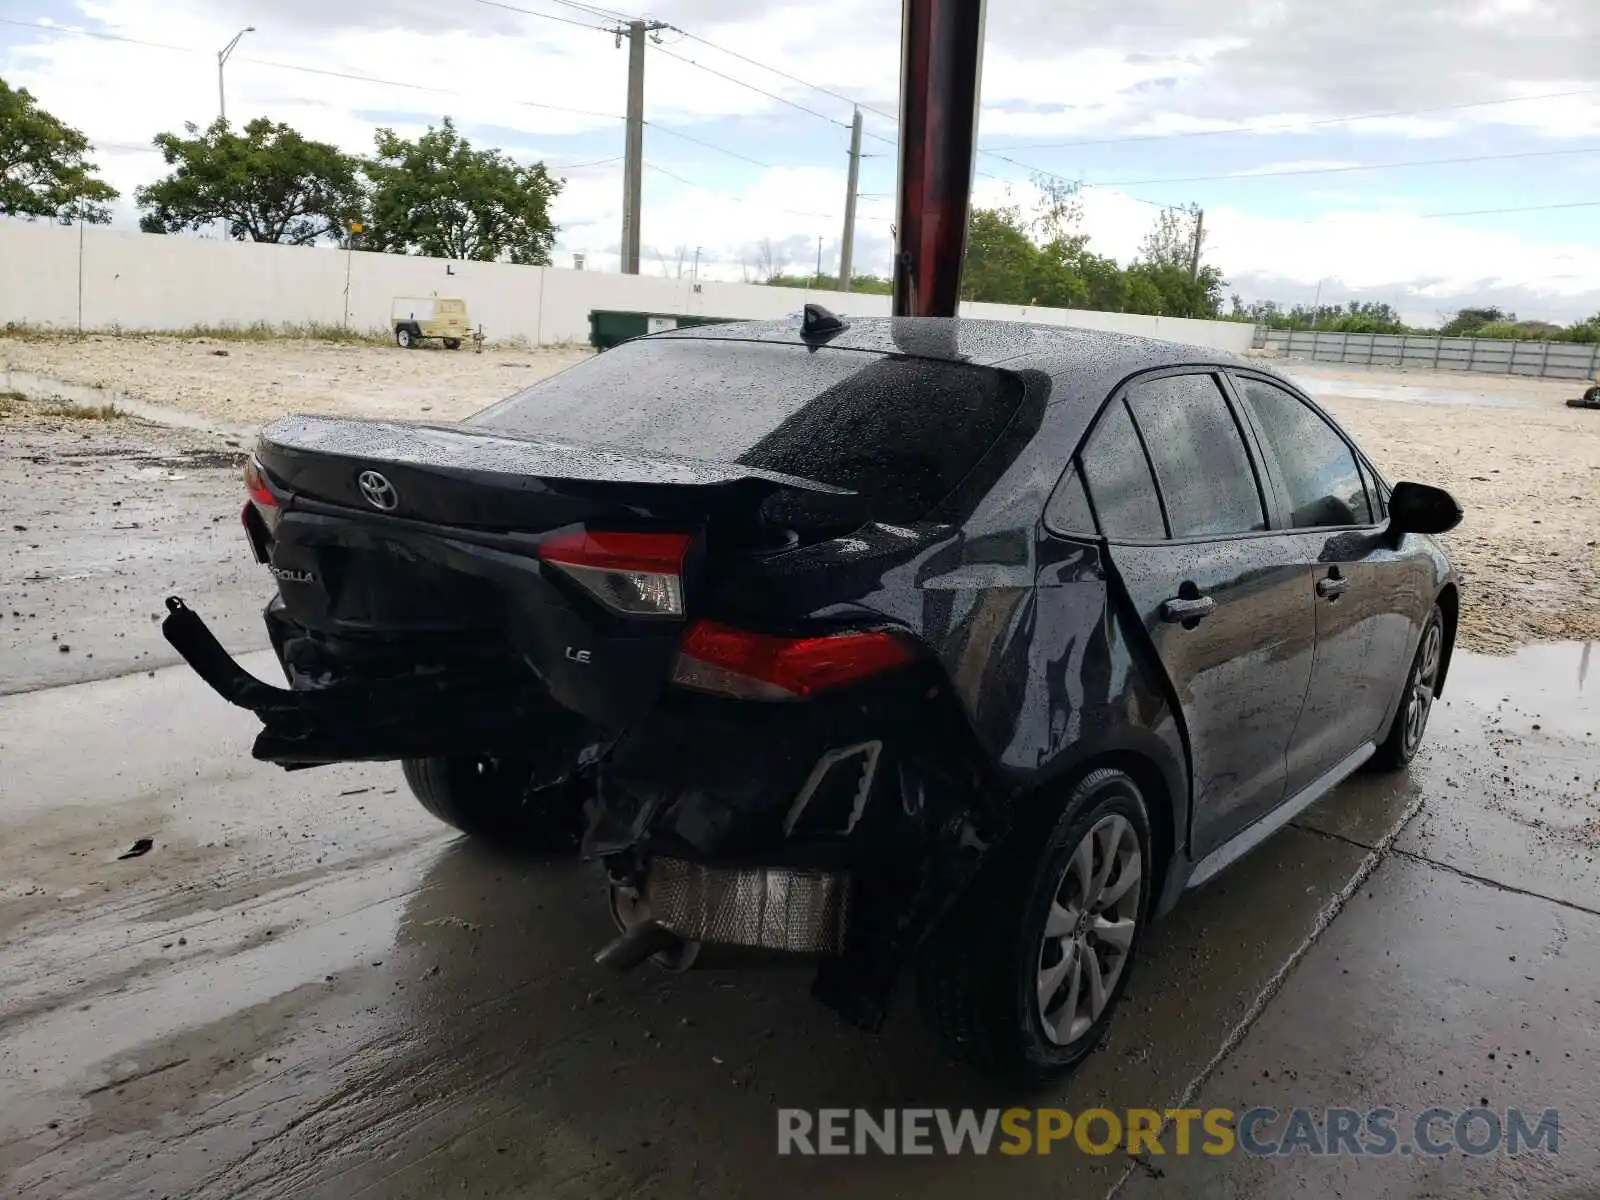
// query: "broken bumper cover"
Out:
[415,717]
[841,828]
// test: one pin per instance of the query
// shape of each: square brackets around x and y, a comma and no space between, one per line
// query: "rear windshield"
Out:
[902,432]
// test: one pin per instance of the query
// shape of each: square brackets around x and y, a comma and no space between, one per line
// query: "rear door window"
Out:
[901,432]
[1068,508]
[1207,483]
[1315,463]
[1117,477]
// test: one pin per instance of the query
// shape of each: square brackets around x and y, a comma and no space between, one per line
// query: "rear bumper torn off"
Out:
[373,721]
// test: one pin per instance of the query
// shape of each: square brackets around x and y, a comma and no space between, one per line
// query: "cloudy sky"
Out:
[1258,110]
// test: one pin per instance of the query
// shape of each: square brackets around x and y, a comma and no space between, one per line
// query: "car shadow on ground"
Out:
[525,1055]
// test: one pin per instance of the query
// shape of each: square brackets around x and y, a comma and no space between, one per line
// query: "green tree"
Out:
[266,183]
[1106,282]
[1001,258]
[866,284]
[44,171]
[438,196]
[1057,282]
[1365,316]
[1583,331]
[1165,259]
[1144,294]
[1468,321]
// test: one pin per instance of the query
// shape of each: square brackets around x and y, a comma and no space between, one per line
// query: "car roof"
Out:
[1083,366]
[1081,361]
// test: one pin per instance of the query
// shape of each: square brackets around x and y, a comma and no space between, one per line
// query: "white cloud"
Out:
[1123,69]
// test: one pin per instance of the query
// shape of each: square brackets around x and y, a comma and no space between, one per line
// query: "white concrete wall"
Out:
[137,281]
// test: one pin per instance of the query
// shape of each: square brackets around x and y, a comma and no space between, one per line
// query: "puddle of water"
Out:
[1558,682]
[40,387]
[1406,394]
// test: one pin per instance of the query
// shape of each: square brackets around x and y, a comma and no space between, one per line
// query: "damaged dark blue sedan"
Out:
[948,648]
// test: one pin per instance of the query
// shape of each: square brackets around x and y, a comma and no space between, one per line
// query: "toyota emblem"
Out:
[379,491]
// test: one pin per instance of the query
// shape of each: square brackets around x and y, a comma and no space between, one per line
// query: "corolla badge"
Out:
[379,491]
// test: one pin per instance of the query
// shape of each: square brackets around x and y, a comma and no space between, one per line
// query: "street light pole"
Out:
[222,59]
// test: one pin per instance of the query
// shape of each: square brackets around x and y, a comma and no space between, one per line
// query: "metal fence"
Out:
[1498,356]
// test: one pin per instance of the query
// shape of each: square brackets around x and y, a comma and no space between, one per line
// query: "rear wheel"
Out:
[1410,722]
[497,799]
[452,343]
[404,338]
[1024,976]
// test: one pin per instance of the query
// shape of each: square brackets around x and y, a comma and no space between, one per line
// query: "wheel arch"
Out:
[1449,602]
[1160,776]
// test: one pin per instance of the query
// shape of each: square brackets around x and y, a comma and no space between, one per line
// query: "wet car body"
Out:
[1236,674]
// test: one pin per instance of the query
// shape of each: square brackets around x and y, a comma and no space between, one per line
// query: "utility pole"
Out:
[633,165]
[818,276]
[847,247]
[222,61]
[1199,233]
[695,274]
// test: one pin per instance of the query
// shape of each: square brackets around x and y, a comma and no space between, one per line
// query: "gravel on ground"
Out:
[1525,468]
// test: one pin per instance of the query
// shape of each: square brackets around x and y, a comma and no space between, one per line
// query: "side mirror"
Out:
[1418,508]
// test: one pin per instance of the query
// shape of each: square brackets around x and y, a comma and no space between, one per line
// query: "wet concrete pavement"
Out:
[99,521]
[309,988]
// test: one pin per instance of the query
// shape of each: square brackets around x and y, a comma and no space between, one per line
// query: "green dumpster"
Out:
[612,327]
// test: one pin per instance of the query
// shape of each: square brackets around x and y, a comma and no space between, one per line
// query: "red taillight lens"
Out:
[255,480]
[640,574]
[758,666]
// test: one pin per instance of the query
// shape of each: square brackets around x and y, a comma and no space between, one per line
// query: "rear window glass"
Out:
[902,432]
[1118,477]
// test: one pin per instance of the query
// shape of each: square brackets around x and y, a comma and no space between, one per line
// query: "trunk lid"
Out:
[418,537]
[479,478]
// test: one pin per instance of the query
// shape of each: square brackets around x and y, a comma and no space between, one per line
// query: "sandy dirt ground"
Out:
[1525,468]
[307,988]
[239,383]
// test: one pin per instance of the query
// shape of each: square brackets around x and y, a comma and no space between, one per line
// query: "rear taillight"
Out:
[640,574]
[255,480]
[757,666]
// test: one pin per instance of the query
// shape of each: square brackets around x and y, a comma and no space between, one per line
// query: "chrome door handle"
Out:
[1332,587]
[1179,610]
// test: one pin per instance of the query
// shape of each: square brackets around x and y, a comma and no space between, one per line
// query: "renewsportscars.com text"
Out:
[1433,1132]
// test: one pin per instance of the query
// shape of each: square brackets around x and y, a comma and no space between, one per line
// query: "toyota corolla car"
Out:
[958,649]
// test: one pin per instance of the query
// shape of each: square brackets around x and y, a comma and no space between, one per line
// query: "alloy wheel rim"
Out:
[1089,930]
[1419,702]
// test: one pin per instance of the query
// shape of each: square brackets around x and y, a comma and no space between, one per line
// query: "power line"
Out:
[422,87]
[305,70]
[1416,162]
[605,14]
[578,166]
[815,87]
[1291,125]
[1487,212]
[795,212]
[397,83]
[44,27]
[678,133]
[544,16]
[752,87]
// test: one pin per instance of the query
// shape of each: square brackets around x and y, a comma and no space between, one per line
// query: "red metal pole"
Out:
[941,59]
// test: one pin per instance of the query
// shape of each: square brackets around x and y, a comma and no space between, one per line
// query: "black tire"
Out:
[405,339]
[1406,731]
[452,343]
[979,976]
[1592,396]
[495,799]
